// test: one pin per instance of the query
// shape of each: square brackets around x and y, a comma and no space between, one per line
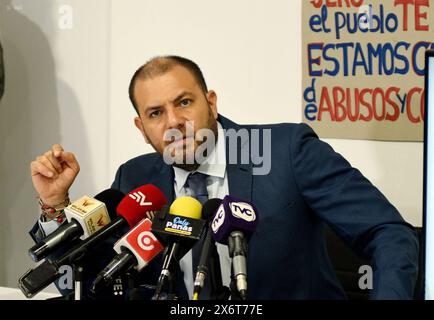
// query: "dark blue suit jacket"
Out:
[308,185]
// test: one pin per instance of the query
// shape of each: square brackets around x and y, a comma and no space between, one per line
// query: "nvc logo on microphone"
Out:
[219,218]
[243,211]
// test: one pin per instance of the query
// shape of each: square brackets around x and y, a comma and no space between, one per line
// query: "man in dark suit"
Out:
[305,185]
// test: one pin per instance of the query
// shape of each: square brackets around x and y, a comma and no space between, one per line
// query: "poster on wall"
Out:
[363,67]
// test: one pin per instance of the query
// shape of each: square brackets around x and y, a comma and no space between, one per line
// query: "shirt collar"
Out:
[214,165]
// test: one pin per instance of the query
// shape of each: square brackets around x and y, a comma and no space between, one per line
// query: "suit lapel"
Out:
[239,175]
[165,180]
[240,181]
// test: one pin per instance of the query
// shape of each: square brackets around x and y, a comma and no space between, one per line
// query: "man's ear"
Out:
[139,125]
[211,96]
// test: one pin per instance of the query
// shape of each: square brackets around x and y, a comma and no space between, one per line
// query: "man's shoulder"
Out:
[138,171]
[289,126]
[282,127]
[283,130]
[144,161]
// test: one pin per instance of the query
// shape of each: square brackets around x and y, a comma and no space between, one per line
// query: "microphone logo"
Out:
[218,220]
[146,240]
[139,197]
[243,211]
[179,225]
[101,221]
[87,202]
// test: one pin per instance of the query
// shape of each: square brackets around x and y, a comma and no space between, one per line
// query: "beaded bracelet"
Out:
[55,211]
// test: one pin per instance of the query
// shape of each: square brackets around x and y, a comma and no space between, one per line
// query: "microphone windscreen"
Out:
[179,222]
[209,208]
[141,203]
[186,207]
[234,214]
[111,199]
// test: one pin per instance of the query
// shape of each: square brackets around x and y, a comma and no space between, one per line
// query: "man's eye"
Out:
[154,114]
[185,102]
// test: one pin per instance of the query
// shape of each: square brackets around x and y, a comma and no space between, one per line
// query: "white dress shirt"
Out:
[49,226]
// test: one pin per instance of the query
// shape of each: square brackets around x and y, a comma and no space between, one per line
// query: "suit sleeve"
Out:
[358,212]
[117,182]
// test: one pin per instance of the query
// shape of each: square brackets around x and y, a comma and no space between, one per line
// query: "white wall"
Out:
[71,86]
[56,91]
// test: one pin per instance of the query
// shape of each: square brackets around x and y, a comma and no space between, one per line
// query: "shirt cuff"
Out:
[49,226]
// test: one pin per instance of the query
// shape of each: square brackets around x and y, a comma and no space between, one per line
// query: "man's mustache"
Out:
[169,137]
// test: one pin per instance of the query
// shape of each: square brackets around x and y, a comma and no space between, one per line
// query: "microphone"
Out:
[178,227]
[135,250]
[233,224]
[86,216]
[208,249]
[138,204]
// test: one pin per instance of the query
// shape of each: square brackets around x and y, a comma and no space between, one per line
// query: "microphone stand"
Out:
[218,290]
[133,285]
[167,276]
[235,295]
[172,286]
[78,281]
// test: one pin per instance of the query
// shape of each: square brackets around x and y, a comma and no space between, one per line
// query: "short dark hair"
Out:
[160,65]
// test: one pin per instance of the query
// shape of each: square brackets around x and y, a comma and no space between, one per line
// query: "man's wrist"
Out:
[55,211]
[53,201]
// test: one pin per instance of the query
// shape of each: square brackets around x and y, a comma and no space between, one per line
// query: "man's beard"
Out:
[212,125]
